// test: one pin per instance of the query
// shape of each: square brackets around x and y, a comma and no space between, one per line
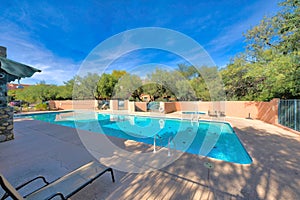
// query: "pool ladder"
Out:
[169,145]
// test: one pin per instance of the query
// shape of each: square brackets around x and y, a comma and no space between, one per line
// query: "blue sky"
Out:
[56,36]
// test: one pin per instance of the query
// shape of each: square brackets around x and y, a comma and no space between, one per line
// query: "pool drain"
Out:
[209,165]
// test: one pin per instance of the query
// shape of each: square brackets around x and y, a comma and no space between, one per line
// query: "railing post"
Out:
[295,113]
[288,114]
[154,144]
[279,111]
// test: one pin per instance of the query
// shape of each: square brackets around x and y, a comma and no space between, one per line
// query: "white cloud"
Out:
[231,34]
[228,37]
[107,53]
[200,23]
[23,49]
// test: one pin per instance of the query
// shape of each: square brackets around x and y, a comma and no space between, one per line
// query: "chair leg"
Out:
[112,174]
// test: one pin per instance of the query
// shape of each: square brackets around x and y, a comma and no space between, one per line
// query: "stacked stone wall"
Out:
[6,124]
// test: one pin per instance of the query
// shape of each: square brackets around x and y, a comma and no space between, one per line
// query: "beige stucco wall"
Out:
[131,106]
[74,104]
[113,105]
[265,111]
[141,106]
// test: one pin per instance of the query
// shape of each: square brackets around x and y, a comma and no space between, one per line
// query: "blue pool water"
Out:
[214,139]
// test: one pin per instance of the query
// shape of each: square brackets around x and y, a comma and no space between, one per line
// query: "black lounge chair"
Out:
[63,187]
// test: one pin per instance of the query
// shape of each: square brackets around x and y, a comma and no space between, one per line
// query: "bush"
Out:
[41,107]
[25,108]
[16,109]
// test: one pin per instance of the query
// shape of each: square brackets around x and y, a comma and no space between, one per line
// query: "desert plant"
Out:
[41,107]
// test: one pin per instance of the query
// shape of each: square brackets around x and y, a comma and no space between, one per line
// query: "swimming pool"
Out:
[213,139]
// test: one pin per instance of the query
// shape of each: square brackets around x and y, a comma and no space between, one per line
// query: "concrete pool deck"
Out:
[40,148]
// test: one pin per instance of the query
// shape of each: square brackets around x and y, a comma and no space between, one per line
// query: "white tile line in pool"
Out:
[175,115]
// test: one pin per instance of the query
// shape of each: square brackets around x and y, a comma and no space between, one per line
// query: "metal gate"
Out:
[121,105]
[289,113]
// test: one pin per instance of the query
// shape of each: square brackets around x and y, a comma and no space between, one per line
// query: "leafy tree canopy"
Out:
[270,66]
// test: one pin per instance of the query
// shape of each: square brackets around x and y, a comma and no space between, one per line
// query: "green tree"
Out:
[11,95]
[37,93]
[270,66]
[105,86]
[188,72]
[85,87]
[287,23]
[162,83]
[157,92]
[200,89]
[211,82]
[237,82]
[117,74]
[203,83]
[185,92]
[129,86]
[279,33]
[66,91]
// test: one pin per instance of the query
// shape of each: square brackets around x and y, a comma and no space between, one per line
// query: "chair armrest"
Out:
[56,194]
[24,184]
[36,178]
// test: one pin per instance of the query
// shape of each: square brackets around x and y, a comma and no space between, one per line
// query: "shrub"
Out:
[16,109]
[25,108]
[41,106]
